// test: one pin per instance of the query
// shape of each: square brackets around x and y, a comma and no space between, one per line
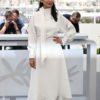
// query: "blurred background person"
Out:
[20,23]
[10,26]
[24,29]
[17,19]
[2,19]
[74,19]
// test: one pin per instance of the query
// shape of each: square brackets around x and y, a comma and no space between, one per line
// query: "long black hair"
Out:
[53,10]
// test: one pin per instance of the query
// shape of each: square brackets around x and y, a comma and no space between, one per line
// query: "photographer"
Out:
[17,18]
[9,26]
[74,19]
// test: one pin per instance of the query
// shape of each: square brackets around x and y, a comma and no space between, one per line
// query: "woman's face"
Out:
[47,3]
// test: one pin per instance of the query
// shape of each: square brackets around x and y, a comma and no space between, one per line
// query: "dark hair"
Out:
[15,11]
[53,10]
[76,15]
[8,14]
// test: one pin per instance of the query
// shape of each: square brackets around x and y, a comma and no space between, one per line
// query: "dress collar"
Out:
[47,10]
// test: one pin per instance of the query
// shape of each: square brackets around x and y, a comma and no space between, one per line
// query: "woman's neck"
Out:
[46,7]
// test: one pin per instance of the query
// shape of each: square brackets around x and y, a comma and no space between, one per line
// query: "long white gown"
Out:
[49,81]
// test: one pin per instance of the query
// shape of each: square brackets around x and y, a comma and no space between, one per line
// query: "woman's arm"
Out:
[32,42]
[66,26]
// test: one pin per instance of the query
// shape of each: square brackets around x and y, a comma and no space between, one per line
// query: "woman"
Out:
[49,76]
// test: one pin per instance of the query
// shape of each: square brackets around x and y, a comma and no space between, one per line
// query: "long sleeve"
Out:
[31,38]
[66,26]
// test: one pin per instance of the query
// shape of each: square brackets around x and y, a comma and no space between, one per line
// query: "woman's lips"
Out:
[49,3]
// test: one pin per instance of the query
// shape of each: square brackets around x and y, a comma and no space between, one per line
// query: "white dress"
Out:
[49,81]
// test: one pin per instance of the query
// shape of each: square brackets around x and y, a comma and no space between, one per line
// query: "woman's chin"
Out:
[49,6]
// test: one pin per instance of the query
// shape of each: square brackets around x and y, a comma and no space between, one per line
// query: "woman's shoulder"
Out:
[35,13]
[34,16]
[62,18]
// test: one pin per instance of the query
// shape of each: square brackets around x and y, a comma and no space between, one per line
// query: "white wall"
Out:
[93,31]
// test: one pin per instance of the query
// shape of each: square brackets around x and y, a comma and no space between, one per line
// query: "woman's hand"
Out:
[57,39]
[32,63]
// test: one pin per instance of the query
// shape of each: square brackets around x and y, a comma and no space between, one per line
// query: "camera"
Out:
[10,22]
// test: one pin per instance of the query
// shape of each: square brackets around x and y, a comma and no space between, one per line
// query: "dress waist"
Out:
[46,39]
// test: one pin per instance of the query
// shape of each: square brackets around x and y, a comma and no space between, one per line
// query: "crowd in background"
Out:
[11,23]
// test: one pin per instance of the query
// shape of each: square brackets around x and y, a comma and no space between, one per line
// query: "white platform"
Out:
[25,36]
